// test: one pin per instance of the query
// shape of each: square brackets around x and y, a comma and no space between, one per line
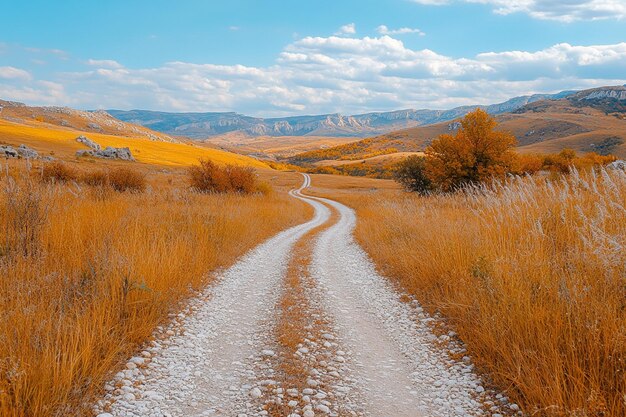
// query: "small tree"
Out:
[476,152]
[411,173]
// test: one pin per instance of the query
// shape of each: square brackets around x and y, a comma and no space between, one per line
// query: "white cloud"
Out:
[349,29]
[332,74]
[104,63]
[39,92]
[12,73]
[561,10]
[384,30]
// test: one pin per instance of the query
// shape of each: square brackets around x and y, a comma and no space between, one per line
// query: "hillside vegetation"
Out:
[87,273]
[529,273]
[588,121]
[479,153]
[71,119]
[61,143]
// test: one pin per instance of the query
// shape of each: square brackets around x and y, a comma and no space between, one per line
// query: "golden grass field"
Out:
[88,273]
[530,275]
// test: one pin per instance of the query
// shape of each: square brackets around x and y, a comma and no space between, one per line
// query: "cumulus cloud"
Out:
[349,29]
[562,10]
[12,73]
[332,74]
[104,63]
[384,30]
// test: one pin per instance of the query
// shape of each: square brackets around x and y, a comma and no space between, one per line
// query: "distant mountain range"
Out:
[204,125]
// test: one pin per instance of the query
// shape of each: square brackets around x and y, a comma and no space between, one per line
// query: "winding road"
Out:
[209,362]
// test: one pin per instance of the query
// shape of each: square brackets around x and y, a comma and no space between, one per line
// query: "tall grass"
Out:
[531,273]
[85,277]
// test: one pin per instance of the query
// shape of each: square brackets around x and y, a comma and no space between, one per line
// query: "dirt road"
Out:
[389,363]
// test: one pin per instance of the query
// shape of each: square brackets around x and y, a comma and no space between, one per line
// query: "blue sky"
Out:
[302,57]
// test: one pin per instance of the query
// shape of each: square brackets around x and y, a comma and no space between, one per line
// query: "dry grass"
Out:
[531,275]
[84,280]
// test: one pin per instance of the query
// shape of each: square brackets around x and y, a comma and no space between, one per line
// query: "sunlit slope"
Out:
[62,143]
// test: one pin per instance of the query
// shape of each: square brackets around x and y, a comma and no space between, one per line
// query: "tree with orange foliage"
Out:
[477,152]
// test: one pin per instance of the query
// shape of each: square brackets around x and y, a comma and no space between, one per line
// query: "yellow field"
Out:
[61,142]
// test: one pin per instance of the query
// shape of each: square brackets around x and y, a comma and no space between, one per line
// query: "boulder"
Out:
[8,152]
[86,141]
[26,152]
[85,153]
[108,153]
[116,153]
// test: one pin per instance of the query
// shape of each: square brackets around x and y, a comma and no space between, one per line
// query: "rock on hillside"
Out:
[22,151]
[109,152]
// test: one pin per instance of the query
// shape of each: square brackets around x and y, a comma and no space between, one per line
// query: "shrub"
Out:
[411,174]
[96,178]
[58,172]
[119,179]
[529,163]
[124,179]
[264,188]
[242,179]
[210,177]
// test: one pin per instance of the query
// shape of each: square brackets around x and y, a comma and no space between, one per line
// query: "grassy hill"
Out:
[53,131]
[591,120]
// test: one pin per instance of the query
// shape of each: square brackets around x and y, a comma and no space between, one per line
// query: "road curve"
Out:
[206,366]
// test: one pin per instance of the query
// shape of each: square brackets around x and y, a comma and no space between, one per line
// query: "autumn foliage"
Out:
[476,152]
[479,153]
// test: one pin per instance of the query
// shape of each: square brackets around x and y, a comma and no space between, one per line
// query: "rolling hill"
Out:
[53,131]
[589,120]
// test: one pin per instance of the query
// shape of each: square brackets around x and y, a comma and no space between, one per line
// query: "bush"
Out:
[58,172]
[242,179]
[96,178]
[210,177]
[411,173]
[119,179]
[124,179]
